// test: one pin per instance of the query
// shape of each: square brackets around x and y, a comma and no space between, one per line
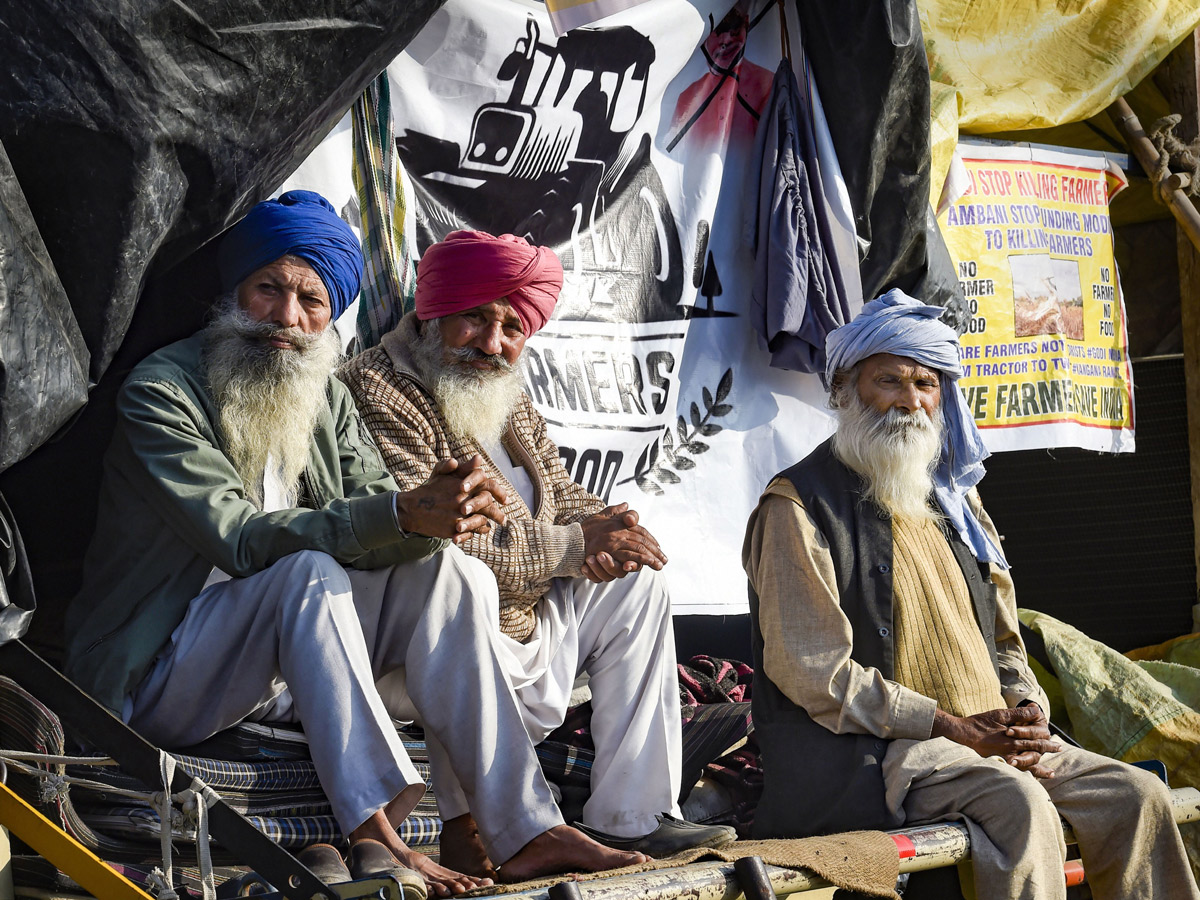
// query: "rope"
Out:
[193,812]
[162,801]
[194,803]
[1174,156]
[51,788]
[57,760]
[66,780]
[202,796]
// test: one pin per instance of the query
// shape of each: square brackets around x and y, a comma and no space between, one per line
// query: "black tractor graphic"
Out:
[560,164]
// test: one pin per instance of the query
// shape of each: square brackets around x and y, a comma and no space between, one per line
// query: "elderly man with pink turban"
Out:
[578,590]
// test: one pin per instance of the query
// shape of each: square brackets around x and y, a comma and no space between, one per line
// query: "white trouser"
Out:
[306,640]
[620,634]
[1121,816]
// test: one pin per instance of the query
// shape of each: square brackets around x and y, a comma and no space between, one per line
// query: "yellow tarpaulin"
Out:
[1016,65]
[1020,64]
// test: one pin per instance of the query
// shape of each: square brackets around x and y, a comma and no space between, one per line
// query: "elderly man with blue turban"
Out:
[891,685]
[253,559]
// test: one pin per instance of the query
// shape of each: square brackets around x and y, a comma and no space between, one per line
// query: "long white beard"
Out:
[896,454]
[267,398]
[475,403]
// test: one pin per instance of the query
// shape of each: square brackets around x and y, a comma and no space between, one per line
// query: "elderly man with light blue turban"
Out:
[253,560]
[891,685]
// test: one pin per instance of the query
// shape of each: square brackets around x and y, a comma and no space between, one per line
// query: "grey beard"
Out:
[267,399]
[895,453]
[475,404]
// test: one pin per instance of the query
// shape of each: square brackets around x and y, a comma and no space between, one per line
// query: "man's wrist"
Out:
[944,725]
[400,514]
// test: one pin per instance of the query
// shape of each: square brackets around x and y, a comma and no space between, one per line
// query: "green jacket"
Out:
[172,507]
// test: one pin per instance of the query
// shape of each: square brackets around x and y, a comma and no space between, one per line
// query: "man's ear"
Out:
[841,380]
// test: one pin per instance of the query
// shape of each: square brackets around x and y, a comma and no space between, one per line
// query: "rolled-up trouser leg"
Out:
[433,618]
[292,627]
[1125,825]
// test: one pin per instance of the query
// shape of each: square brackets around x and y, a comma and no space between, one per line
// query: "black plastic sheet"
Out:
[43,360]
[869,62]
[137,132]
[17,602]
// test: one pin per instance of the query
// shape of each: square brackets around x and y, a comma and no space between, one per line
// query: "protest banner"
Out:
[624,146]
[1045,355]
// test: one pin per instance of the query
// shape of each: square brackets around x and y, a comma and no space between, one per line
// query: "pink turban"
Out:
[471,268]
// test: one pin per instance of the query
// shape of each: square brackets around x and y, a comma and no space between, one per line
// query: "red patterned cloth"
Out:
[707,679]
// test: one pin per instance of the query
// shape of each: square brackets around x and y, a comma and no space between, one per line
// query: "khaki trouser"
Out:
[1121,816]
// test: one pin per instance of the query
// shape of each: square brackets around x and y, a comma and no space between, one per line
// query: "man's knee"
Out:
[1140,792]
[467,585]
[1001,791]
[317,564]
[314,584]
[650,586]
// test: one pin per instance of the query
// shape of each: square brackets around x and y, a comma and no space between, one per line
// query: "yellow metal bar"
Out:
[92,873]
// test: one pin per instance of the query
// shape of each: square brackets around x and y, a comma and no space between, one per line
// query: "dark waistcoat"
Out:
[815,781]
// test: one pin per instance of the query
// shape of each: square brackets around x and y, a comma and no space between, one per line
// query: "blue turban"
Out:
[304,224]
[896,323]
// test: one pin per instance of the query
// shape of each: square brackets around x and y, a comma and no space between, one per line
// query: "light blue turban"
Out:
[896,323]
[303,224]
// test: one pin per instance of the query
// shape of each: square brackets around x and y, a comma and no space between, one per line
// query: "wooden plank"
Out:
[1183,97]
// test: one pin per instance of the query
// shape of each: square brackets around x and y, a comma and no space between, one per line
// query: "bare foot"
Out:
[564,849]
[439,880]
[461,848]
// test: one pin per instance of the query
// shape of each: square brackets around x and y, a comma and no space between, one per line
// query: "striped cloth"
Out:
[139,824]
[389,272]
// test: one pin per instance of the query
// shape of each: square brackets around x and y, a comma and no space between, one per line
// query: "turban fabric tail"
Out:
[471,268]
[898,324]
[299,223]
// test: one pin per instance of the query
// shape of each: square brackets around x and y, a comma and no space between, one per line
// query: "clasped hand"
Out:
[456,501]
[1019,736]
[615,545]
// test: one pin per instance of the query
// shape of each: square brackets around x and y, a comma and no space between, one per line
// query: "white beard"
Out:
[475,403]
[267,398]
[896,454]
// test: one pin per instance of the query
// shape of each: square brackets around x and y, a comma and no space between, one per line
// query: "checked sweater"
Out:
[537,543]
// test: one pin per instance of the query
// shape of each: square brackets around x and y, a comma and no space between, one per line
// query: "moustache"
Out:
[896,421]
[462,355]
[263,332]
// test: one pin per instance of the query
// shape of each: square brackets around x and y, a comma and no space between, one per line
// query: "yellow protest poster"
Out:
[1045,360]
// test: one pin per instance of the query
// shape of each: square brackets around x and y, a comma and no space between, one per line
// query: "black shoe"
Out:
[670,837]
[324,861]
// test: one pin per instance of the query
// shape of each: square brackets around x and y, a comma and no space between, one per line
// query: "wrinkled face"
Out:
[288,294]
[887,382]
[492,330]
